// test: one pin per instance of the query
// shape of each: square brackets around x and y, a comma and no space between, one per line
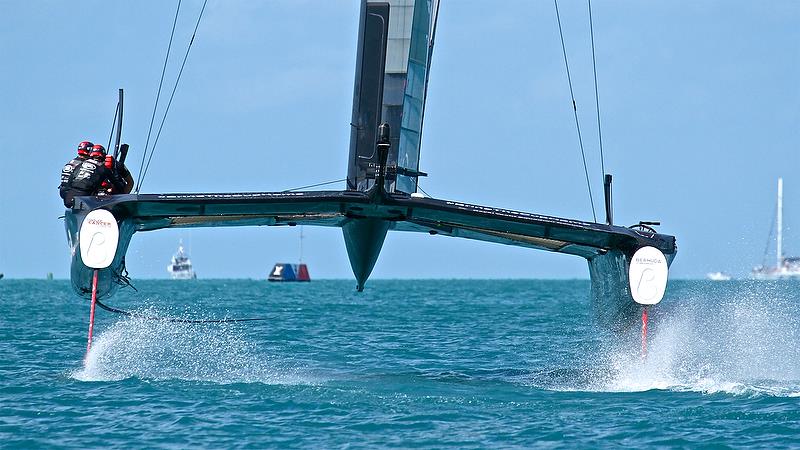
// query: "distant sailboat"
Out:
[181,266]
[785,267]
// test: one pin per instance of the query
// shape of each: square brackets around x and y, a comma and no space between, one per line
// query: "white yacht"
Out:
[181,266]
[718,276]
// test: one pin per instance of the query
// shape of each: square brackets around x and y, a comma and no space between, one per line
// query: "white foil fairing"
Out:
[98,239]
[648,275]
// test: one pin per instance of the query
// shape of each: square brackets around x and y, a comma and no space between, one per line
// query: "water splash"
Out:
[744,344]
[160,350]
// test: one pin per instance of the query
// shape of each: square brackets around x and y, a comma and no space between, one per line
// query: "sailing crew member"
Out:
[83,152]
[89,176]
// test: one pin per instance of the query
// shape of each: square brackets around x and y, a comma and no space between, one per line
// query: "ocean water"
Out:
[430,363]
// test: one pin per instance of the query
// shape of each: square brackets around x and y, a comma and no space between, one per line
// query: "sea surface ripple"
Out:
[408,363]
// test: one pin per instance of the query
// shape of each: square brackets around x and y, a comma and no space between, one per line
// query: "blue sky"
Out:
[700,105]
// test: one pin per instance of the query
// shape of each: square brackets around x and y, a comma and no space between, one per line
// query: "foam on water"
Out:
[741,345]
[136,347]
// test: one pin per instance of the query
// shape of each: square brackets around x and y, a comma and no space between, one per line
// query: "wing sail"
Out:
[393,68]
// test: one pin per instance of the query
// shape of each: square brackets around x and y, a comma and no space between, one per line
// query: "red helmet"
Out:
[84,148]
[98,151]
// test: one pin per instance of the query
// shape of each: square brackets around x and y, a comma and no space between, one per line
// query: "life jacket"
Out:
[88,176]
[66,172]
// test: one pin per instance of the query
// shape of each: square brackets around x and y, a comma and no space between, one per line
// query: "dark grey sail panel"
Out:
[367,94]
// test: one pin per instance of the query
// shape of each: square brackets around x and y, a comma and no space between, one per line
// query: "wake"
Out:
[135,347]
[742,342]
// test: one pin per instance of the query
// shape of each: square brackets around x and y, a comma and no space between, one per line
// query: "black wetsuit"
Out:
[66,172]
[87,178]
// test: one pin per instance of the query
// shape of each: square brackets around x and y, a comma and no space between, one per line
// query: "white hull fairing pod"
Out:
[648,273]
[98,239]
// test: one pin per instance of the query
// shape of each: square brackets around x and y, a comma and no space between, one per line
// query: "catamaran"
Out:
[628,266]
[180,268]
[785,267]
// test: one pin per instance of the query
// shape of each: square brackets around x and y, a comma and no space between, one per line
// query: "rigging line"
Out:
[172,95]
[173,319]
[314,185]
[158,95]
[113,125]
[575,111]
[423,190]
[596,94]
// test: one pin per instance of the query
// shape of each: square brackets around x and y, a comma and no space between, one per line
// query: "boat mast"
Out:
[780,224]
[119,125]
[301,243]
